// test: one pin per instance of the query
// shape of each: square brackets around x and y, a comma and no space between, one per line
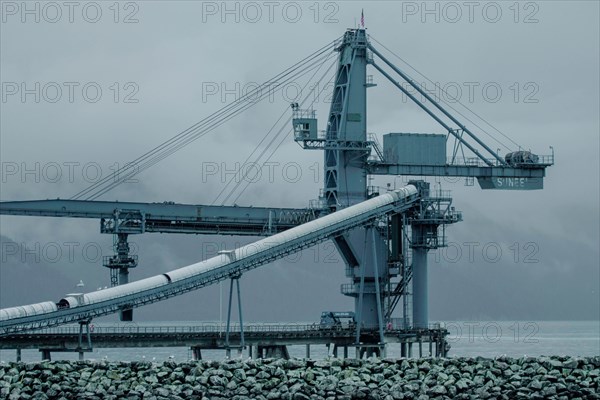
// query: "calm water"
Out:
[468,339]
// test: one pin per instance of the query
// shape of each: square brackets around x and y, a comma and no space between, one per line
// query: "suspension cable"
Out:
[456,100]
[285,111]
[284,137]
[132,168]
[173,149]
[192,134]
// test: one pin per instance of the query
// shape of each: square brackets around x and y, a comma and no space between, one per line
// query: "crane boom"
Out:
[167,217]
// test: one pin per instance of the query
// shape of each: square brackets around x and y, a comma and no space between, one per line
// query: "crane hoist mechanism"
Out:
[384,251]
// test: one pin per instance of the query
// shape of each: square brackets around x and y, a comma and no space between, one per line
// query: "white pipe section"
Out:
[233,260]
[297,232]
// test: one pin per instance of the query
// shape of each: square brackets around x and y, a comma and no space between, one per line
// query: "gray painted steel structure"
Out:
[346,152]
[374,254]
[347,165]
[202,337]
[103,302]
[132,217]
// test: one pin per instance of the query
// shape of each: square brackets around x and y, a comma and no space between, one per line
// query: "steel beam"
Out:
[170,217]
[455,170]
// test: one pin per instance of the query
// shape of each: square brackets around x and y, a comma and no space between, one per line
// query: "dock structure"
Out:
[383,234]
[260,340]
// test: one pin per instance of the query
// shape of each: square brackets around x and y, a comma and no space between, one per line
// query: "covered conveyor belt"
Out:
[230,264]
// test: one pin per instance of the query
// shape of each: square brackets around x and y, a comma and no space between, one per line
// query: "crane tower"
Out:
[383,258]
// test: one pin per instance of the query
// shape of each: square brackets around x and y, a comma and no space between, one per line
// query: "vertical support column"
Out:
[444,347]
[196,353]
[419,279]
[228,351]
[18,355]
[80,337]
[242,344]
[378,290]
[235,278]
[123,276]
[406,275]
[361,295]
[120,263]
[371,282]
[88,336]
[308,351]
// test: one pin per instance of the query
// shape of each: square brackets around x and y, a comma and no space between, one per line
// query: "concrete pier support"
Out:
[18,355]
[196,353]
[308,351]
[46,355]
[274,352]
[444,347]
[367,351]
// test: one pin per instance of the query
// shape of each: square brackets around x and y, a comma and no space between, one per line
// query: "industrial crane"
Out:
[386,257]
[348,162]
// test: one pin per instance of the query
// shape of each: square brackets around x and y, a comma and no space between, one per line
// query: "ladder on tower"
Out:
[375,145]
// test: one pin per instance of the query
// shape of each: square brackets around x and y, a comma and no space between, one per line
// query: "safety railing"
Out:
[439,194]
[542,160]
[204,328]
[304,114]
[395,324]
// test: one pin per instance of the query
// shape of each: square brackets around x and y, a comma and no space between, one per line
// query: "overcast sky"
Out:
[530,69]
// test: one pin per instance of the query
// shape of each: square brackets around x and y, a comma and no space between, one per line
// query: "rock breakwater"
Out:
[461,378]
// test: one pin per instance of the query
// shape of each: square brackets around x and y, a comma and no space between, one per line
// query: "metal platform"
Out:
[257,337]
